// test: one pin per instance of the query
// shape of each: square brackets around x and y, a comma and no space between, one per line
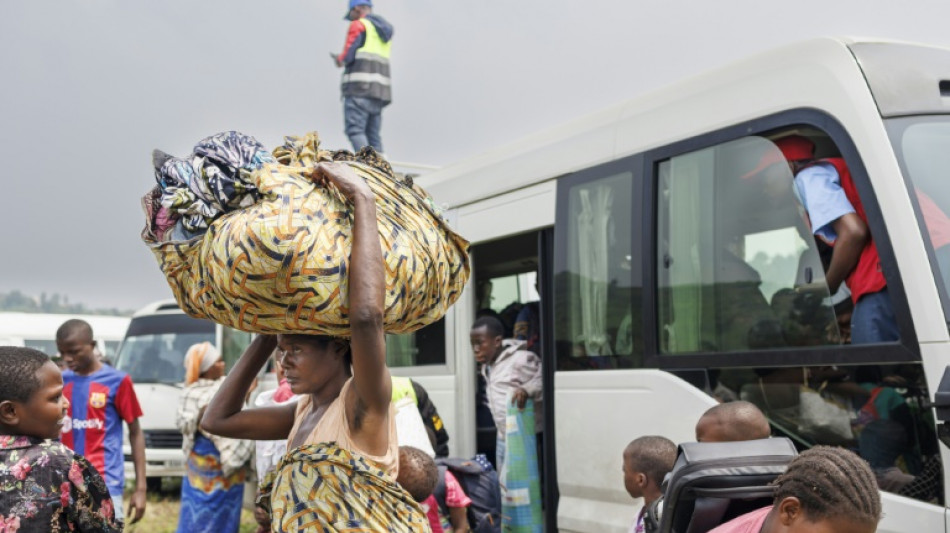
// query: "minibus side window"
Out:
[597,296]
[233,344]
[879,411]
[737,267]
[423,347]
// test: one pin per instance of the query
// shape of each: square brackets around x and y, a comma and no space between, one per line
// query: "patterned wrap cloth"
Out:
[215,179]
[280,264]
[322,487]
[210,497]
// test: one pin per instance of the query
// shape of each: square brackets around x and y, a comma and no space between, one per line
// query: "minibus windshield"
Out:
[922,145]
[155,346]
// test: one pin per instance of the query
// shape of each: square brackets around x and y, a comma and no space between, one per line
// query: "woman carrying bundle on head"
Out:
[213,487]
[343,455]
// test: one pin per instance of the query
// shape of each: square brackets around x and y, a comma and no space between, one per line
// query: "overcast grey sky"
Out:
[90,87]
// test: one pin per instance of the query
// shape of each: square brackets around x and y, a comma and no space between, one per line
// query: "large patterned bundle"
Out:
[280,265]
[323,487]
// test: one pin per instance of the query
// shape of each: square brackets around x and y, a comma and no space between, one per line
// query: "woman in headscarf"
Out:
[340,471]
[213,487]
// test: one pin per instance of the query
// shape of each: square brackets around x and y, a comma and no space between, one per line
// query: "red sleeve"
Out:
[126,402]
[356,28]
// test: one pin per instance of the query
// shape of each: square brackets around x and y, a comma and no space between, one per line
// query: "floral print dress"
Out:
[45,486]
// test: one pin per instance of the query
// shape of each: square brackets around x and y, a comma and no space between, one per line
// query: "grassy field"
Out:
[161,511]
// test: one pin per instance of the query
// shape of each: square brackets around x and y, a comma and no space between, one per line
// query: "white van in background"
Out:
[38,331]
[153,353]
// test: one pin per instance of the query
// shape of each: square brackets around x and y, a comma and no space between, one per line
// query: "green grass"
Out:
[161,510]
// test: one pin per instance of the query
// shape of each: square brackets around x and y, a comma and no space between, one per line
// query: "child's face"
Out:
[79,352]
[484,345]
[42,415]
[633,481]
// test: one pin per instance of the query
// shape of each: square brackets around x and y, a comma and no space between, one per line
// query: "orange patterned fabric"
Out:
[280,265]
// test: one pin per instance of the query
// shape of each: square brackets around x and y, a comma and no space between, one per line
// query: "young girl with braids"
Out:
[824,490]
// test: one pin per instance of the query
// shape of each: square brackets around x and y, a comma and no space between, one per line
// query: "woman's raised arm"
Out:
[367,286]
[225,416]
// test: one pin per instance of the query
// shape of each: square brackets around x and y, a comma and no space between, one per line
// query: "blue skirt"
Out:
[210,502]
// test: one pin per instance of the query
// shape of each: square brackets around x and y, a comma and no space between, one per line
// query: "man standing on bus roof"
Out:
[101,398]
[366,83]
[836,215]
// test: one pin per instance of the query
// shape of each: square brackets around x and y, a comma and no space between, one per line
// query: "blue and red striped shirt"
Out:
[98,403]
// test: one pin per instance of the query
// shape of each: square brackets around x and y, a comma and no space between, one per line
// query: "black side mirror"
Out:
[941,407]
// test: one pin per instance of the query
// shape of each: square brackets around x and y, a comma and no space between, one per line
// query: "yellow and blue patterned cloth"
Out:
[280,265]
[322,487]
[210,500]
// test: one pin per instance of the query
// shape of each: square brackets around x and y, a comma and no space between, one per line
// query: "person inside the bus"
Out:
[883,423]
[835,213]
[824,490]
[745,321]
[843,311]
[510,371]
[828,318]
[806,319]
[341,434]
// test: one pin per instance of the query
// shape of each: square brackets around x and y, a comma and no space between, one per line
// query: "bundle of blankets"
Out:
[245,238]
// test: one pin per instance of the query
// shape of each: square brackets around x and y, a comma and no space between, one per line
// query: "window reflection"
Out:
[737,267]
[597,307]
[878,411]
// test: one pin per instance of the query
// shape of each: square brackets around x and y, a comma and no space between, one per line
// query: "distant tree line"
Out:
[54,303]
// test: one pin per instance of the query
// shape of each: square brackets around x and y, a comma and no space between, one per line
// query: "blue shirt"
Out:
[819,189]
[98,404]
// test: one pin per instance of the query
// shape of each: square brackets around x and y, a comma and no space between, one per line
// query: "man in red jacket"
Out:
[836,215]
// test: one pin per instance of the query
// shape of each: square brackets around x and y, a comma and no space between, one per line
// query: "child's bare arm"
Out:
[225,416]
[458,516]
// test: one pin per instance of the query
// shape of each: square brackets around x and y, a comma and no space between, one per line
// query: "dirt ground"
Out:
[161,511]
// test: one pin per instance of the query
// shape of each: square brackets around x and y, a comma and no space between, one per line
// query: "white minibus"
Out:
[671,276]
[38,331]
[153,353]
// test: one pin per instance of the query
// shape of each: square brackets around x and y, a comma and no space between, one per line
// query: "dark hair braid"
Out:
[831,482]
[18,381]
